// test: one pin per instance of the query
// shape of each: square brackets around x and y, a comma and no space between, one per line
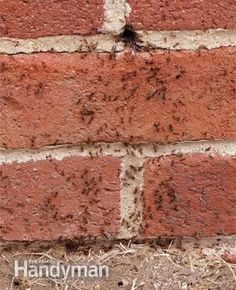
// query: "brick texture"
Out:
[161,96]
[182,15]
[31,19]
[50,199]
[192,195]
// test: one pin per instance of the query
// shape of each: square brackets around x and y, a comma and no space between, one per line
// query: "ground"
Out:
[157,265]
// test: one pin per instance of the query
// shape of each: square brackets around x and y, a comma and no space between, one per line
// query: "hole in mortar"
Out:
[129,36]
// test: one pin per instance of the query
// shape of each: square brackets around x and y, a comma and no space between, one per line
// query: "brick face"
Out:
[182,15]
[31,19]
[189,195]
[161,96]
[51,199]
[137,96]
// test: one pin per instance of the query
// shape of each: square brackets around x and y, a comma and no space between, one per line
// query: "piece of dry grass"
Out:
[228,265]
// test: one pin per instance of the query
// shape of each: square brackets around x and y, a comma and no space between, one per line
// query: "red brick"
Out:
[31,19]
[182,15]
[161,96]
[190,195]
[50,199]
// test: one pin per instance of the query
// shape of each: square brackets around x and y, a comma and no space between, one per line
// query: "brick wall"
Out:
[117,119]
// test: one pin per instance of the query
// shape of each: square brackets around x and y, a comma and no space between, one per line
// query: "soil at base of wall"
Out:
[143,265]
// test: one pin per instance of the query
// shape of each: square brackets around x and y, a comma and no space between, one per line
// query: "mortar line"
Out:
[108,42]
[131,203]
[117,149]
[115,13]
[188,39]
[60,152]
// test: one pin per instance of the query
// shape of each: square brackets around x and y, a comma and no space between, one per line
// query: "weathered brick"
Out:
[31,19]
[51,199]
[160,96]
[189,195]
[182,15]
